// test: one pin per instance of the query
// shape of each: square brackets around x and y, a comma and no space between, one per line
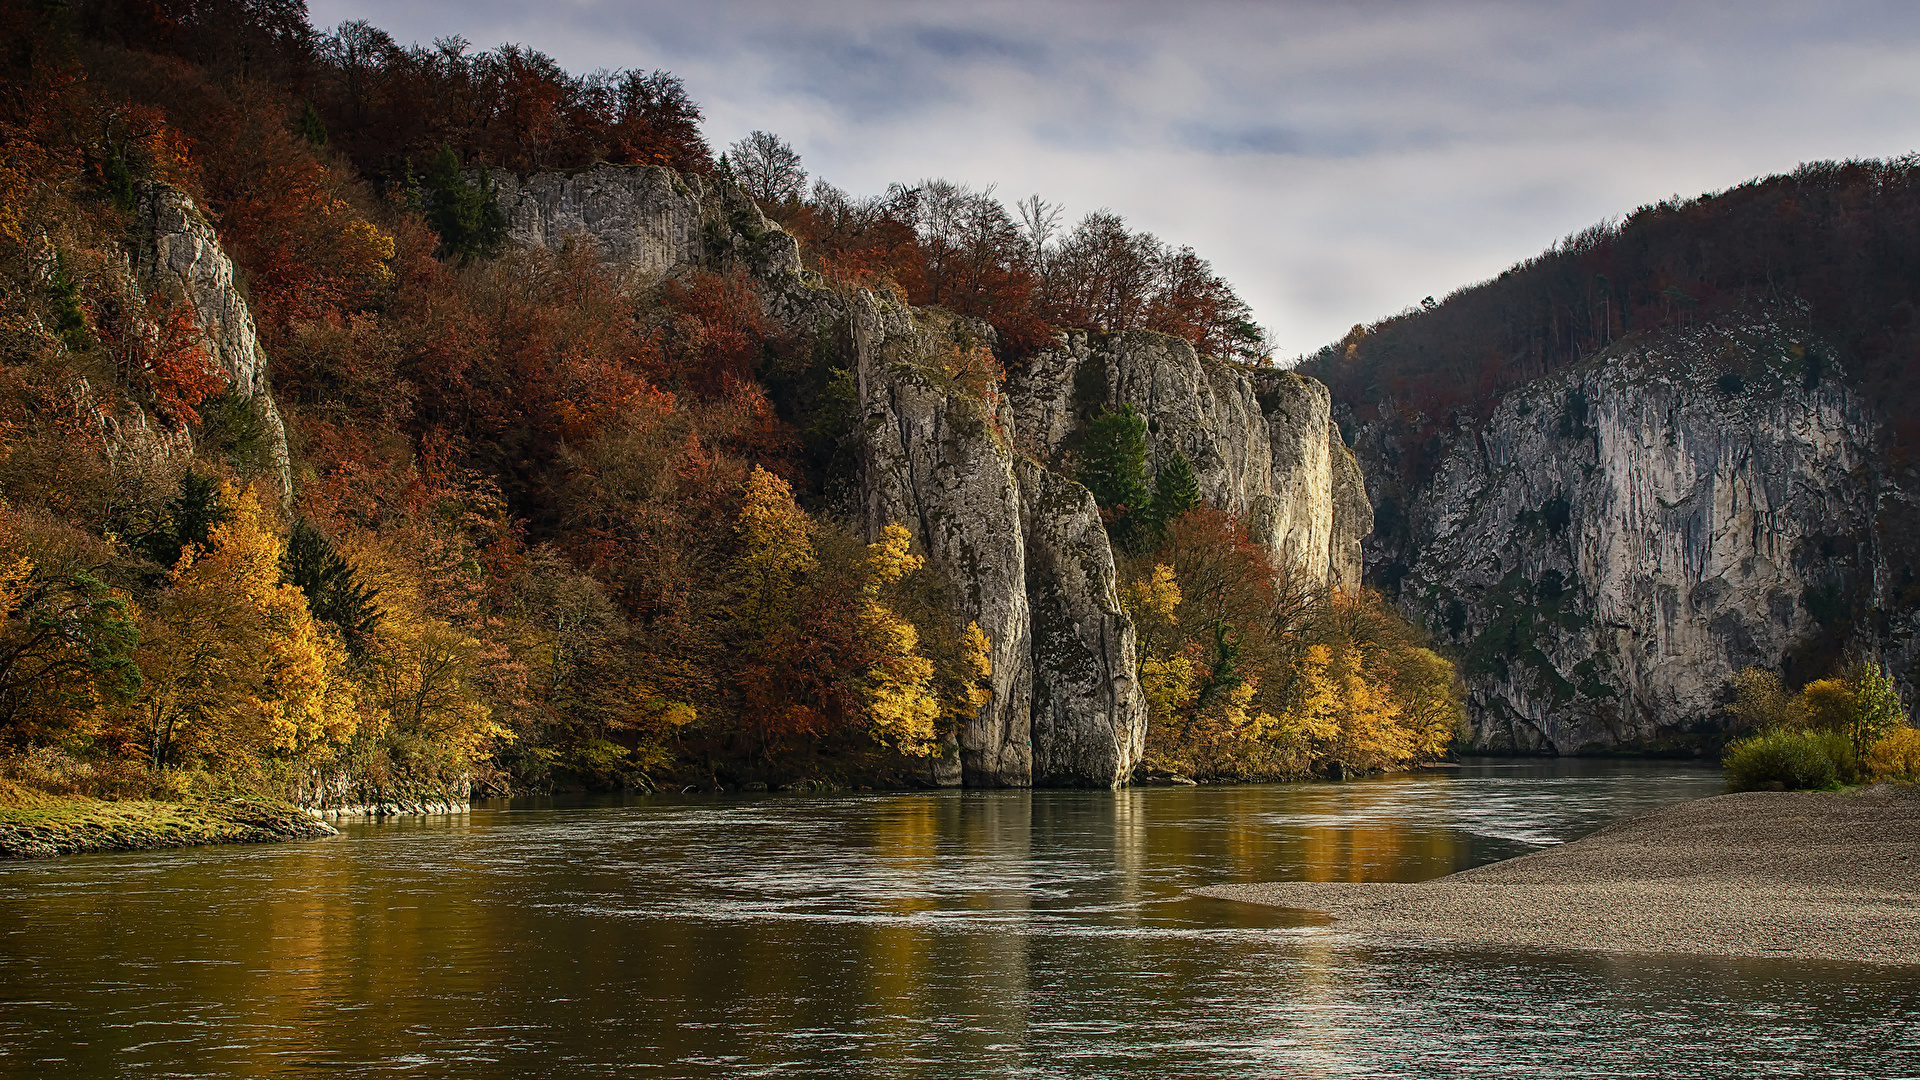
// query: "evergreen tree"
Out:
[334,595]
[312,128]
[465,216]
[1175,491]
[1113,466]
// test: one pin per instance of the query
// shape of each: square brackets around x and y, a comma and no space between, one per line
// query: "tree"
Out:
[1175,491]
[768,168]
[466,216]
[334,595]
[236,666]
[1113,466]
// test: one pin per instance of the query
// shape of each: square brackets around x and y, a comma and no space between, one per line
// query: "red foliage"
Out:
[717,335]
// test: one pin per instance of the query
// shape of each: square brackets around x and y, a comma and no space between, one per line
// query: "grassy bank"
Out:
[34,824]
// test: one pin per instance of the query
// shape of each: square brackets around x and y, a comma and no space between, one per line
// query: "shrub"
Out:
[1795,760]
[1894,757]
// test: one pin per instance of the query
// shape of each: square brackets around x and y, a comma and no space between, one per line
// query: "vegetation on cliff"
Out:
[545,524]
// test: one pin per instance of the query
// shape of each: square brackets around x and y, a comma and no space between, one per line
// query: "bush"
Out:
[1795,760]
[1895,757]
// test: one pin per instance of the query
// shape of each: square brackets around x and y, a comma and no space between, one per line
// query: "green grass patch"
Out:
[35,825]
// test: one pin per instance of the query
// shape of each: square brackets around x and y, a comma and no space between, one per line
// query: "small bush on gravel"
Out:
[1794,760]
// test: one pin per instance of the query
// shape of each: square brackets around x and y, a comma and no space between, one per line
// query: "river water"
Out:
[975,934]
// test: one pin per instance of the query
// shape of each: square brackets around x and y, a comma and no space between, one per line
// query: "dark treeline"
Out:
[1844,237]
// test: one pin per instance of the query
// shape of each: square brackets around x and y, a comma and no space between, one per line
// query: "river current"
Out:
[957,934]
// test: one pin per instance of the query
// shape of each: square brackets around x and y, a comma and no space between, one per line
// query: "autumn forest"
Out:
[546,525]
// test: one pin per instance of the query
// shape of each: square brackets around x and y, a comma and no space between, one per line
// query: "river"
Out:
[957,934]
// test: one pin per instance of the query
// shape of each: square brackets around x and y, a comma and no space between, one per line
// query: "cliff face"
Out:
[1617,541]
[176,253]
[1019,548]
[1261,443]
[646,218]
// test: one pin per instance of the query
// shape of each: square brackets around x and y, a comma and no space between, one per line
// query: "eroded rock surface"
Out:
[1617,541]
[1260,442]
[1089,717]
[177,254]
[646,218]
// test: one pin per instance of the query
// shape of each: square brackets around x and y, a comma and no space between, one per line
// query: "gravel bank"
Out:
[1809,875]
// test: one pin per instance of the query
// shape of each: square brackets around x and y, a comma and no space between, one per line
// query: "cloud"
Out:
[1336,161]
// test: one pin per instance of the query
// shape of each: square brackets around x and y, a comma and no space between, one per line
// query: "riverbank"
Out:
[38,826]
[1803,875]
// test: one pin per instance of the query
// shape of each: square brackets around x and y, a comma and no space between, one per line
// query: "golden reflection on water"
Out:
[979,933]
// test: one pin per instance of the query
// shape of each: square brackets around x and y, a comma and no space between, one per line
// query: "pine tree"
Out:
[1175,491]
[465,216]
[1113,466]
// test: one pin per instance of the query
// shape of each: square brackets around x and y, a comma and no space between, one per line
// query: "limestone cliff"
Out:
[1260,442]
[1089,716]
[646,218]
[1618,540]
[1019,548]
[176,253]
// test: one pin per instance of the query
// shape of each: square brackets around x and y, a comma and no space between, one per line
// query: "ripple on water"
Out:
[980,934]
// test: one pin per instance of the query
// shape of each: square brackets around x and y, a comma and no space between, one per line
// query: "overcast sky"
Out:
[1336,161]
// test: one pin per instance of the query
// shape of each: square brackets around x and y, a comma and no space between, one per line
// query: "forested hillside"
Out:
[1663,452]
[534,521]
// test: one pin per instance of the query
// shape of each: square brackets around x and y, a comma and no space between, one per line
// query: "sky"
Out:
[1337,162]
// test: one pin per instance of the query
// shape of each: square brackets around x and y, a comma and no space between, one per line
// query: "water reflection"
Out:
[958,934]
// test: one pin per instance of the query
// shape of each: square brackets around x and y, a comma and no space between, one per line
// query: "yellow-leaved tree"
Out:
[902,703]
[235,666]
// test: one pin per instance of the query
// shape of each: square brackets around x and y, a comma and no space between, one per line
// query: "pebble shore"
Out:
[1799,875]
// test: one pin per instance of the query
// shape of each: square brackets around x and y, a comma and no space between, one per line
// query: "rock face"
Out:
[1617,541]
[1261,443]
[646,218]
[1089,716]
[1019,548]
[176,253]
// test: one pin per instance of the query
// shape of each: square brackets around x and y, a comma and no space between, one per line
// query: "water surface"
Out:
[977,934]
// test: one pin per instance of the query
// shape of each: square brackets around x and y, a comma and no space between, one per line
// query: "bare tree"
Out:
[767,167]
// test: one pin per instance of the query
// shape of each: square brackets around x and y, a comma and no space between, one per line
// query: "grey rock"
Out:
[1617,541]
[1260,441]
[647,219]
[1089,716]
[176,253]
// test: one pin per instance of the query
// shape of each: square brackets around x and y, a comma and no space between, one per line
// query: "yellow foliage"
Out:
[889,558]
[776,546]
[1895,757]
[369,251]
[902,704]
[1827,704]
[424,667]
[14,576]
[236,664]
[1155,596]
[1168,683]
[976,669]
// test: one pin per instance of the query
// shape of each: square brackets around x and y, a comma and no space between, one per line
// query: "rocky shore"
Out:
[72,826]
[1799,875]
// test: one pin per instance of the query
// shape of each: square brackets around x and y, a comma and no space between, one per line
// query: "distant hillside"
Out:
[1659,453]
[1842,237]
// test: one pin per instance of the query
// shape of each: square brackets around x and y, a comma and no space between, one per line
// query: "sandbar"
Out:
[1797,875]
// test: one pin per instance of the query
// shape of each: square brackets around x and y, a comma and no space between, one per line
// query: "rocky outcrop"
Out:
[1089,716]
[177,254]
[646,218]
[933,460]
[1019,549]
[1618,540]
[1260,442]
